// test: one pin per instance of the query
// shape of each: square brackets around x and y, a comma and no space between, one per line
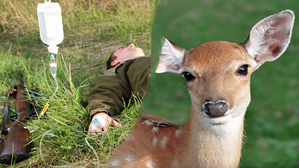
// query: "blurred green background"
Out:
[271,121]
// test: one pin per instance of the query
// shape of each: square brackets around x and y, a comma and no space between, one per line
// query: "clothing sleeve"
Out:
[137,75]
[107,94]
[110,91]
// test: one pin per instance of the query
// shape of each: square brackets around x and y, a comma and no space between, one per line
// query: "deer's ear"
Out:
[270,37]
[171,58]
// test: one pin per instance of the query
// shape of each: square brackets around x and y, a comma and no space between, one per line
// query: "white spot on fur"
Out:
[155,129]
[177,132]
[175,163]
[150,165]
[155,141]
[130,158]
[115,163]
[130,138]
[164,142]
[148,123]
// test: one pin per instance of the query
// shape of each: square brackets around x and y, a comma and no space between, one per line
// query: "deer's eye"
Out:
[188,76]
[243,70]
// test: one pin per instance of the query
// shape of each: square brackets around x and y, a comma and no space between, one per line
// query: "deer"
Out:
[217,74]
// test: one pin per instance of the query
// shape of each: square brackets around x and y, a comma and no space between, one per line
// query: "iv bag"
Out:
[50,24]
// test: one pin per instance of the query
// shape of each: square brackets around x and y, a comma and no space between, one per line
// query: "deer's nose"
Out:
[214,110]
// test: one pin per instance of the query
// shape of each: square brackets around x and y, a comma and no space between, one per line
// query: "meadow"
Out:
[94,29]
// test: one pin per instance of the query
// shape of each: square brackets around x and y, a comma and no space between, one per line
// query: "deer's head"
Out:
[218,72]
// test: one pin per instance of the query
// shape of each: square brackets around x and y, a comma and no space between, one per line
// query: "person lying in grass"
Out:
[128,72]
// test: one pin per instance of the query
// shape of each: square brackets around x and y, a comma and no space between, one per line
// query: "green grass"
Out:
[271,121]
[66,118]
[93,30]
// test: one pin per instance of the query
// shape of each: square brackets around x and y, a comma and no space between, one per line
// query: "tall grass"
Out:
[65,126]
[81,17]
[93,29]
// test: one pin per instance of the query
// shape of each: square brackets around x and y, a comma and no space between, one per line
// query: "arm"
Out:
[107,94]
[110,91]
[106,100]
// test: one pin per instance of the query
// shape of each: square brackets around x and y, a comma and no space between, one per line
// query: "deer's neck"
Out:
[213,145]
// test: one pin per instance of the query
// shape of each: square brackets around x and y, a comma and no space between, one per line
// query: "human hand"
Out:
[101,121]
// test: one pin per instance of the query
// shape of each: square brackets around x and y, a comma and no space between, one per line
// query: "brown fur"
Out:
[212,73]
[200,146]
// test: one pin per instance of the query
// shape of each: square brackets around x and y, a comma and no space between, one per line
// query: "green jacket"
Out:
[110,91]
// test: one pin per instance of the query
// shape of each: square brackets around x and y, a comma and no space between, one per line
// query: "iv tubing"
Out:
[47,104]
[41,155]
[55,89]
